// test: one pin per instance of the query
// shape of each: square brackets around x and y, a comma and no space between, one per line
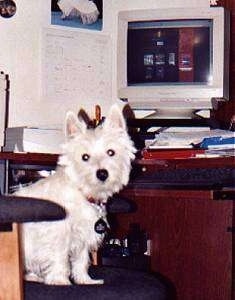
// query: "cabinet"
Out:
[191,230]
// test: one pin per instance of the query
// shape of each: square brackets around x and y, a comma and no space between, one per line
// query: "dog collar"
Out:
[94,201]
[100,225]
[98,204]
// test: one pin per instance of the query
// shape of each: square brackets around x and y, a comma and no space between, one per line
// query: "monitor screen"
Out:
[164,52]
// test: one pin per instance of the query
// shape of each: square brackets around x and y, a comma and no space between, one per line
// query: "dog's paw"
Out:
[94,281]
[89,18]
[32,277]
[56,281]
[63,16]
[87,280]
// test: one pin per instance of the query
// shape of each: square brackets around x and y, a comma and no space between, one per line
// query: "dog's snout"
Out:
[102,174]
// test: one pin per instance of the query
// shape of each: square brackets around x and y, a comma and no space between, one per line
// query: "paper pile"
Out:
[29,139]
[186,139]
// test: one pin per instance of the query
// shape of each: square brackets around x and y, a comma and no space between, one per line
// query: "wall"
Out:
[227,110]
[21,57]
[230,4]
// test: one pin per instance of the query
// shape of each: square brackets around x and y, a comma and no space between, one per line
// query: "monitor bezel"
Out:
[175,96]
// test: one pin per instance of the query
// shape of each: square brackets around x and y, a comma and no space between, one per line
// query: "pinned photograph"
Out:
[85,14]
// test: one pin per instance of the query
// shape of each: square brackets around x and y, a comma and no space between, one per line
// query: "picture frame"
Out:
[83,14]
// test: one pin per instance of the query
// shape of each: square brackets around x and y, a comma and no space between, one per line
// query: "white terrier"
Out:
[85,9]
[95,164]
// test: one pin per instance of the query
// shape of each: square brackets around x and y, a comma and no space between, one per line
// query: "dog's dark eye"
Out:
[111,152]
[85,157]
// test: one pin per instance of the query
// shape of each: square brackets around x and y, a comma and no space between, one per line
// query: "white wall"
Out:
[20,55]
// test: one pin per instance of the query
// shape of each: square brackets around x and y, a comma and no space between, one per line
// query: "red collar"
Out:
[91,200]
[94,201]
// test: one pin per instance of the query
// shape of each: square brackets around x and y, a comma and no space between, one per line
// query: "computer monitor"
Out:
[173,61]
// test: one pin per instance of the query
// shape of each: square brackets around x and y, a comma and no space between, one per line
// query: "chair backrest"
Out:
[13,210]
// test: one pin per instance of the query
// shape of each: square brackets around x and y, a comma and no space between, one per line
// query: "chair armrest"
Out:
[17,209]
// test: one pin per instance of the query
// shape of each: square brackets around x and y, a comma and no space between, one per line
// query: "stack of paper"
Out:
[29,139]
[186,139]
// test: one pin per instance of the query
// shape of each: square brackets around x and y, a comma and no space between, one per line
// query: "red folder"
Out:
[170,153]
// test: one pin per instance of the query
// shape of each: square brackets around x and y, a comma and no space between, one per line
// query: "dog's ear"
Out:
[115,118]
[73,125]
[83,116]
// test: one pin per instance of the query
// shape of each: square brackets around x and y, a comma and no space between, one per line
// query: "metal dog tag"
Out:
[100,226]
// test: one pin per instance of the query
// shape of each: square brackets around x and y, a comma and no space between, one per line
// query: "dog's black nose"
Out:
[102,174]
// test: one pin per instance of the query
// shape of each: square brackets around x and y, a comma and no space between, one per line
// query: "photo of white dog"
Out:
[85,9]
[94,165]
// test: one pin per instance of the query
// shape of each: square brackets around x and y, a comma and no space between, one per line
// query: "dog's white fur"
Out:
[85,9]
[54,252]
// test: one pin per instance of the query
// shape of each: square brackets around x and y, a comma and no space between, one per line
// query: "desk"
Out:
[185,206]
[29,161]
[190,222]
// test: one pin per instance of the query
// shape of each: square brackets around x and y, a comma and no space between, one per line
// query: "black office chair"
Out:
[119,283]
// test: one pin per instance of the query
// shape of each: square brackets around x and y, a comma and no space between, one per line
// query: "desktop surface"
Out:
[163,172]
